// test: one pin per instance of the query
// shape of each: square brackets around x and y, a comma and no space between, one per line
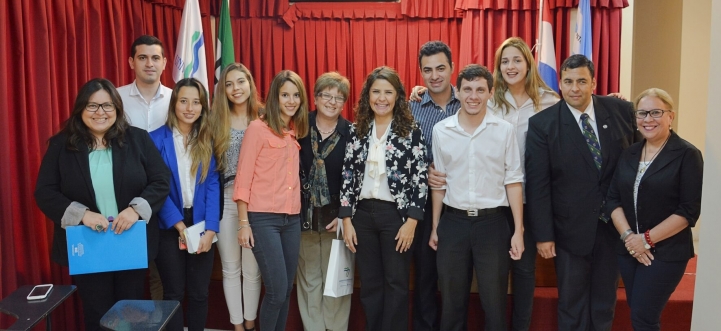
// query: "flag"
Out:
[581,43]
[546,51]
[224,54]
[190,53]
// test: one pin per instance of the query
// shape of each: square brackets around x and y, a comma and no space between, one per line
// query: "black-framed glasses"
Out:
[655,113]
[107,107]
[328,97]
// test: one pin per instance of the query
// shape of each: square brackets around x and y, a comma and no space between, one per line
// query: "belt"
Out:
[473,212]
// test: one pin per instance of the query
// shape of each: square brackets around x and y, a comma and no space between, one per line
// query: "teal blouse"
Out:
[101,174]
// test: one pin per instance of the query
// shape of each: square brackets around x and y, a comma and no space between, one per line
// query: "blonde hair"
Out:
[655,92]
[220,112]
[534,82]
[299,121]
[200,138]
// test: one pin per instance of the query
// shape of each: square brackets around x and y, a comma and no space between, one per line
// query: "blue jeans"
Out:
[277,242]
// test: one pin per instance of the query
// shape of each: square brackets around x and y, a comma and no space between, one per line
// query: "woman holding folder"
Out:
[98,167]
[185,144]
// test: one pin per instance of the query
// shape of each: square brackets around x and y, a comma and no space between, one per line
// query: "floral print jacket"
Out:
[405,165]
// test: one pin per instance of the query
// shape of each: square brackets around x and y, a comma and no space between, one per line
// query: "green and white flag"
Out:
[224,53]
[190,53]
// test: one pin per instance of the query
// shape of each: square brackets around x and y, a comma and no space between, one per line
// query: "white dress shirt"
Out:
[375,177]
[187,180]
[591,119]
[478,166]
[142,114]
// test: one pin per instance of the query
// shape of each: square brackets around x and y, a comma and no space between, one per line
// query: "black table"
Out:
[139,315]
[30,312]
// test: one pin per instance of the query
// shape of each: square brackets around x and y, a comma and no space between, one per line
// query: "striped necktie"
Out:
[592,141]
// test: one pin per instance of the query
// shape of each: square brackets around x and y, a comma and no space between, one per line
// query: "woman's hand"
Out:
[436,179]
[92,220]
[125,220]
[634,245]
[206,241]
[349,234]
[245,237]
[180,227]
[405,235]
[332,226]
[434,240]
[417,92]
[517,247]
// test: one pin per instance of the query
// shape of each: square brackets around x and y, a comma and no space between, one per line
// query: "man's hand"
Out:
[547,249]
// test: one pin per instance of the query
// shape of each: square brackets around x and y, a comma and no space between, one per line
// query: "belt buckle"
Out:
[472,212]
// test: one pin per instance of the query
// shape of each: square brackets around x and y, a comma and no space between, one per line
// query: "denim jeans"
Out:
[277,242]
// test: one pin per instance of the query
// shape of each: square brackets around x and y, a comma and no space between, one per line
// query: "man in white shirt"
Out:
[146,100]
[479,154]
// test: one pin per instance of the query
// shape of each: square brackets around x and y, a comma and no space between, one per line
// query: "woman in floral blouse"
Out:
[382,198]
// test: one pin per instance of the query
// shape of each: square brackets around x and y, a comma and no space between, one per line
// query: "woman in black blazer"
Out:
[75,188]
[654,200]
[385,187]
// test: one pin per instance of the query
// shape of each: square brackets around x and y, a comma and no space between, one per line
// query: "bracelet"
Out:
[626,234]
[243,227]
[246,221]
[647,236]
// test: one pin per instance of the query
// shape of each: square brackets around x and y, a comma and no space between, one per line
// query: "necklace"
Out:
[647,164]
[324,132]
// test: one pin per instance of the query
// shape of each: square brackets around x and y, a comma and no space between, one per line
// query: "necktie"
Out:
[592,141]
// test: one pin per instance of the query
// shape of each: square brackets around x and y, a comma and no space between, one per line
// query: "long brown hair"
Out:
[403,122]
[75,129]
[220,112]
[534,82]
[200,138]
[299,121]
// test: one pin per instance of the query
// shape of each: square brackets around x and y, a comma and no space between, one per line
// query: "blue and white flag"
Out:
[190,53]
[582,39]
[546,50]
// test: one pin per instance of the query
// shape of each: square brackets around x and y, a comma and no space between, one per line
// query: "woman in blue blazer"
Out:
[185,143]
[654,200]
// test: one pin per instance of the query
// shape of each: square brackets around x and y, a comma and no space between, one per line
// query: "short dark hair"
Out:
[577,61]
[433,48]
[146,40]
[472,72]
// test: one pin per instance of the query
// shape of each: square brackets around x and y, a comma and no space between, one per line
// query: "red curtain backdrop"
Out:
[51,47]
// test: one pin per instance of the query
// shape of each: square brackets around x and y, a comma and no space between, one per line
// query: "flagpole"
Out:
[538,45]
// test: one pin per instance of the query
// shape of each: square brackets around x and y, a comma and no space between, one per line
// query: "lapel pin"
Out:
[605,126]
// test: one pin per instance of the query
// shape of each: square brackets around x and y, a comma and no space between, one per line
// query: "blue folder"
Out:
[92,251]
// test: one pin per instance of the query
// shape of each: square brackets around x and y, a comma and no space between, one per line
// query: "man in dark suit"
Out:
[572,149]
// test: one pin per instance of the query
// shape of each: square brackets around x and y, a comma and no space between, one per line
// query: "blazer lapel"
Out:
[84,163]
[172,161]
[572,132]
[604,134]
[670,152]
[119,154]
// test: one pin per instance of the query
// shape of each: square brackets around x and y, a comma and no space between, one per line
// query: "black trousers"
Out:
[100,291]
[524,277]
[587,285]
[384,272]
[425,300]
[180,270]
[649,288]
[466,243]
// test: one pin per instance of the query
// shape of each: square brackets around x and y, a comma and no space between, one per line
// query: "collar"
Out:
[426,97]
[589,110]
[487,120]
[135,92]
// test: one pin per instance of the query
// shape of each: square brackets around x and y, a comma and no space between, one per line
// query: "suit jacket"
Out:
[405,166]
[670,185]
[206,201]
[64,177]
[565,192]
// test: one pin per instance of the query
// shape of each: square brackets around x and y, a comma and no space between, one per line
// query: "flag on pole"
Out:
[545,49]
[581,43]
[190,53]
[224,53]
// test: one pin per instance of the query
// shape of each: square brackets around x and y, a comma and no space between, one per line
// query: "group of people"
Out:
[478,176]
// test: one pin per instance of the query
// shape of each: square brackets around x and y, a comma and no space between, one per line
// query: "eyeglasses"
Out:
[328,97]
[655,113]
[107,107]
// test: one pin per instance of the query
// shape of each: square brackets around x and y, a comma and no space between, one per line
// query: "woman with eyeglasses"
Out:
[99,168]
[654,200]
[321,156]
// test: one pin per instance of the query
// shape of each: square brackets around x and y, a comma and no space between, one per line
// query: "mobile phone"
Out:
[181,244]
[40,292]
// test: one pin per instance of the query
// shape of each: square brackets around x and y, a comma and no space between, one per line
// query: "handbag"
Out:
[339,279]
[306,210]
